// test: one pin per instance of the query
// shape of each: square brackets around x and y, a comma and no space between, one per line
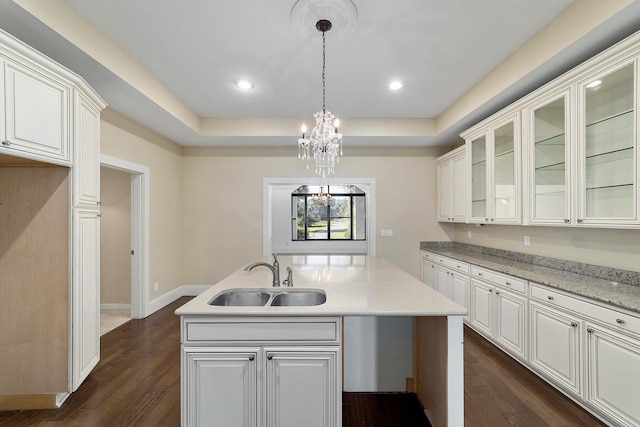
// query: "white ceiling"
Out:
[198,48]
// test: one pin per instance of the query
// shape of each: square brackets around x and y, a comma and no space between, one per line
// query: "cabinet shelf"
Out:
[504,153]
[610,156]
[620,116]
[609,186]
[560,166]
[480,163]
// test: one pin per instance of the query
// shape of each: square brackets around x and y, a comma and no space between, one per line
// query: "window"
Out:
[337,214]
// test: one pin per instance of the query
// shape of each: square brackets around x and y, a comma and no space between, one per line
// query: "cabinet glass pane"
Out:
[609,145]
[504,180]
[549,161]
[479,177]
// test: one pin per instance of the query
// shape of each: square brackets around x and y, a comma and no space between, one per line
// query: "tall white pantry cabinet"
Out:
[50,116]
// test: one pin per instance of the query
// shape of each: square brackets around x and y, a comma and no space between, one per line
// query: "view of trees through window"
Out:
[338,217]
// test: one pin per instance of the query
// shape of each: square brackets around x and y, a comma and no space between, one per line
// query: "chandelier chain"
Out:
[324,61]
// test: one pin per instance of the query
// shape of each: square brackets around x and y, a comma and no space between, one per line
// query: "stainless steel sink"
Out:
[241,297]
[299,298]
[263,297]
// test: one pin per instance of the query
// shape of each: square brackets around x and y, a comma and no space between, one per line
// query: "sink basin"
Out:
[241,297]
[299,298]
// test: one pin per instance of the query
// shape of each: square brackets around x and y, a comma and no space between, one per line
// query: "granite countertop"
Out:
[620,288]
[355,285]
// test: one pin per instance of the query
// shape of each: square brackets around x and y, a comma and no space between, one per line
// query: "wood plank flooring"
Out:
[137,383]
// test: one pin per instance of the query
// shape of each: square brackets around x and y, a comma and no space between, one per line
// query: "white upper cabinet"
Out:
[547,147]
[35,120]
[607,148]
[452,182]
[493,156]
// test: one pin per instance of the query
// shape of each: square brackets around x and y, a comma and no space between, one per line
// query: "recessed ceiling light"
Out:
[395,85]
[244,84]
[594,83]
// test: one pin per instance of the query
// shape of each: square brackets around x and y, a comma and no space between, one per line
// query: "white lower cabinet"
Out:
[301,387]
[499,314]
[261,372]
[613,369]
[555,346]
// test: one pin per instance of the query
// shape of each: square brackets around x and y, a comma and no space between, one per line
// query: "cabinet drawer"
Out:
[228,330]
[503,280]
[612,318]
[453,264]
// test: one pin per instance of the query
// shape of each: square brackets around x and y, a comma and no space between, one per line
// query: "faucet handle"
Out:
[275,259]
[289,280]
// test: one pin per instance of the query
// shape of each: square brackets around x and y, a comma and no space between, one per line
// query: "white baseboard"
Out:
[171,296]
[115,306]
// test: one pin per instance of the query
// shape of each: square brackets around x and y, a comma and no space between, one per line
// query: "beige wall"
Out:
[222,196]
[115,237]
[606,247]
[34,280]
[127,140]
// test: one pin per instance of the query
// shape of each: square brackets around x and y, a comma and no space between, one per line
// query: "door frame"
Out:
[139,231]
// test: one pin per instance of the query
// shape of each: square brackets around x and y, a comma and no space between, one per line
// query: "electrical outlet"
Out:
[156,286]
[469,234]
[527,240]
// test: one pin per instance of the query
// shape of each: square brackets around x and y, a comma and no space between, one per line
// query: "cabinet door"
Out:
[608,176]
[428,274]
[482,307]
[613,366]
[459,187]
[86,166]
[445,193]
[444,281]
[220,387]
[302,388]
[37,115]
[477,155]
[555,346]
[85,294]
[505,192]
[548,147]
[511,321]
[460,290]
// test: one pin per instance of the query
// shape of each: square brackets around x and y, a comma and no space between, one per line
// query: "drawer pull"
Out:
[590,330]
[6,143]
[620,321]
[479,274]
[566,220]
[270,356]
[579,221]
[252,358]
[497,292]
[550,298]
[508,284]
[574,324]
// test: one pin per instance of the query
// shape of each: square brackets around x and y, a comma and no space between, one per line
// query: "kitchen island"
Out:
[281,365]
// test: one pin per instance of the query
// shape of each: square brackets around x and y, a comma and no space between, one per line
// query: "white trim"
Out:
[369,185]
[140,179]
[60,398]
[182,291]
[115,306]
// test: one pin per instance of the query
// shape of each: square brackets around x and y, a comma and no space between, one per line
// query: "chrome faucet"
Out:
[275,269]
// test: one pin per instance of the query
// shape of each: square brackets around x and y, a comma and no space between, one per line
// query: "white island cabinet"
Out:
[281,366]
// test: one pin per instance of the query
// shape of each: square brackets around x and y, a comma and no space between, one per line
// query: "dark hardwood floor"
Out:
[137,383]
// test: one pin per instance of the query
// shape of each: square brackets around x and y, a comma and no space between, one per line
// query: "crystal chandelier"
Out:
[325,143]
[321,198]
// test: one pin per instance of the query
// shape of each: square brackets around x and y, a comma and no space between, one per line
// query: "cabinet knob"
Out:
[620,321]
[574,324]
[479,274]
[507,283]
[550,298]
[270,356]
[567,220]
[486,219]
[252,358]
[579,221]
[590,330]
[490,290]
[6,143]
[497,292]
[492,219]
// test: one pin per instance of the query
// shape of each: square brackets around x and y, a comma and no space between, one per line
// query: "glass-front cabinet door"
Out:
[608,151]
[477,152]
[493,154]
[548,149]
[505,201]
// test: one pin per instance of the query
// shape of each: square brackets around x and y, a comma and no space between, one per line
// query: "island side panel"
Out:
[439,369]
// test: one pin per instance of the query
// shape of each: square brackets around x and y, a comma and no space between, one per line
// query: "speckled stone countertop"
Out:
[620,288]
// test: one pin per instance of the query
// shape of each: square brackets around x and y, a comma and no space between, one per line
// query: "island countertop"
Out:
[355,285]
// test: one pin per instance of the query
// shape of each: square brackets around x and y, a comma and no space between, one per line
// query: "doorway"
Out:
[132,258]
